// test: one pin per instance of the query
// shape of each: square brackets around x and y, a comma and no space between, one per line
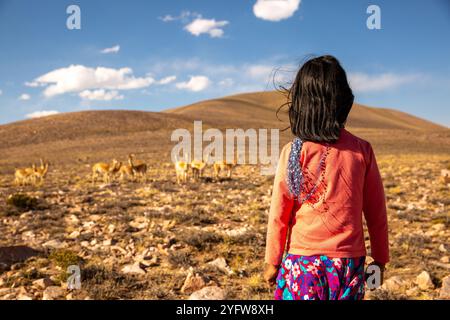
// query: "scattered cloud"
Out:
[195,84]
[184,16]
[1,92]
[232,78]
[196,25]
[77,78]
[34,84]
[24,97]
[167,80]
[228,82]
[40,114]
[362,82]
[114,49]
[100,95]
[206,26]
[275,10]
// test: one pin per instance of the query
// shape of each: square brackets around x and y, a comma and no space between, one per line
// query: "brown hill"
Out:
[101,135]
[260,107]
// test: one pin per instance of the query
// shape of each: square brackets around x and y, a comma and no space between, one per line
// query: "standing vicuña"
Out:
[105,169]
[25,176]
[139,168]
[223,166]
[198,166]
[41,172]
[181,170]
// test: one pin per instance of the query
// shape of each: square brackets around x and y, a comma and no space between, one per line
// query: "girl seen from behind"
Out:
[326,180]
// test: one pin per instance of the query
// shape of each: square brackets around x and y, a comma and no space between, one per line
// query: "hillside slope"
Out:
[260,107]
[84,137]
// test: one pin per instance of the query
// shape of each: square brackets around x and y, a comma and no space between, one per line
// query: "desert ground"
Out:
[157,239]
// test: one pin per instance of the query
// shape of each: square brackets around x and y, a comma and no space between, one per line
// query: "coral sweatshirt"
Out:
[330,220]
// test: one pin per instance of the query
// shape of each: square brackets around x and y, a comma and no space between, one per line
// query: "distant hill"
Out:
[87,136]
[260,107]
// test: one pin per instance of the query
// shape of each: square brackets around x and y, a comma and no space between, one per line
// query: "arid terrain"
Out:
[161,240]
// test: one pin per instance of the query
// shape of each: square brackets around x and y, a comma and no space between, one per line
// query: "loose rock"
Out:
[424,282]
[53,293]
[208,293]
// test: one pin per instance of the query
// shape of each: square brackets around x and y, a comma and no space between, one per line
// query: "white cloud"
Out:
[40,114]
[77,78]
[100,95]
[232,78]
[1,92]
[114,49]
[275,10]
[361,82]
[168,18]
[196,84]
[208,26]
[184,15]
[24,97]
[167,80]
[34,84]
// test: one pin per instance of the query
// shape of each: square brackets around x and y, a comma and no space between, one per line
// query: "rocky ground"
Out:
[159,240]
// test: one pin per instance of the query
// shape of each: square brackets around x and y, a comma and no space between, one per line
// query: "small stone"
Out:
[442,248]
[393,284]
[74,235]
[55,244]
[6,291]
[208,293]
[438,226]
[72,219]
[53,293]
[445,259]
[192,283]
[111,228]
[444,293]
[149,261]
[424,282]
[221,264]
[42,283]
[413,292]
[133,269]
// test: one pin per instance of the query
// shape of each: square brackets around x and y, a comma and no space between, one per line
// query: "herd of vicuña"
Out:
[133,169]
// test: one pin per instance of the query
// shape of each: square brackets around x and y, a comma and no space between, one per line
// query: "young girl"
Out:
[326,178]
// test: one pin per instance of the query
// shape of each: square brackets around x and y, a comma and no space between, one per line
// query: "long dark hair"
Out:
[319,100]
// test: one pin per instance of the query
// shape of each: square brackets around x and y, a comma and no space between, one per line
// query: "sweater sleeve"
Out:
[374,207]
[280,212]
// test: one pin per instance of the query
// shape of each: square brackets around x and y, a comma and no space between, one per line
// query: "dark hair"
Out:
[319,100]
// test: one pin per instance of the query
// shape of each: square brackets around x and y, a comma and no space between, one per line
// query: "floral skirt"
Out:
[320,278]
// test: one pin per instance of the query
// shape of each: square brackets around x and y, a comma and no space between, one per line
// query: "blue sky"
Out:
[154,55]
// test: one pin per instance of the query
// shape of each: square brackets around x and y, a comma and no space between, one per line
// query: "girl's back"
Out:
[340,180]
[326,180]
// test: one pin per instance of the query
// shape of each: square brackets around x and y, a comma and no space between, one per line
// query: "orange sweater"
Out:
[330,221]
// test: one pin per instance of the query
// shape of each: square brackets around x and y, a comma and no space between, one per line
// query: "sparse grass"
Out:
[63,259]
[186,226]
[181,259]
[103,283]
[201,240]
